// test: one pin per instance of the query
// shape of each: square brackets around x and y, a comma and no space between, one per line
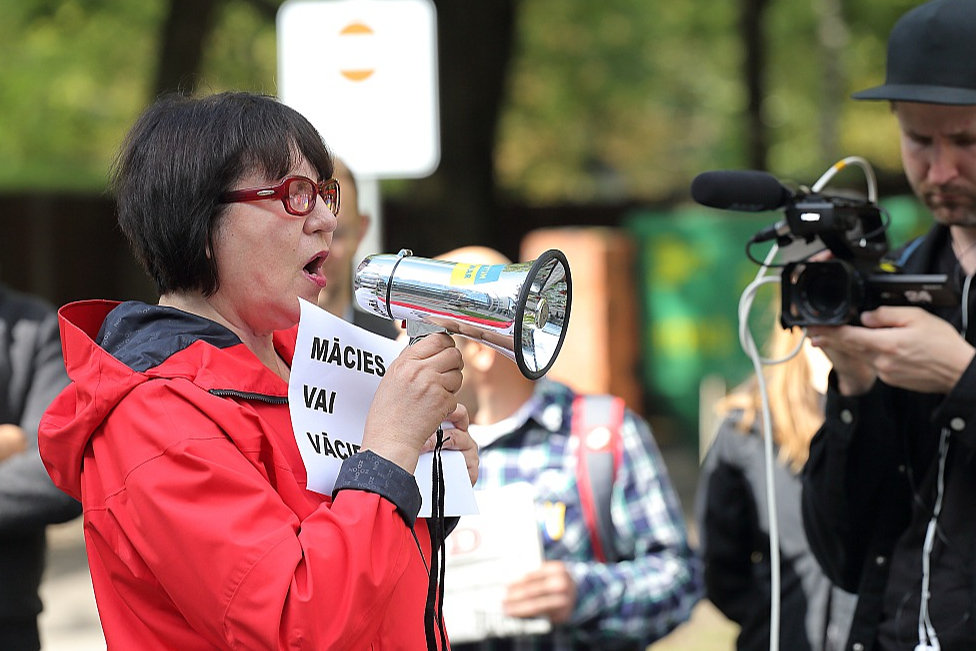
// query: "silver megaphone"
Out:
[519,309]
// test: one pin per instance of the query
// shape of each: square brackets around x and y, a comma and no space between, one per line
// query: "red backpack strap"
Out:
[596,430]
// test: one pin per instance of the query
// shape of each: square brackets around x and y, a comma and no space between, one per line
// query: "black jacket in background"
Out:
[31,375]
[733,521]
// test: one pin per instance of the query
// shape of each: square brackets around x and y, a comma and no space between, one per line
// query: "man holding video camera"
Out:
[889,499]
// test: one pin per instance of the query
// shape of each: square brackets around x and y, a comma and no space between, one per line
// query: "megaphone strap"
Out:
[434,610]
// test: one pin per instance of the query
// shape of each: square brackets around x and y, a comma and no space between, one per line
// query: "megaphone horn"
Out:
[520,309]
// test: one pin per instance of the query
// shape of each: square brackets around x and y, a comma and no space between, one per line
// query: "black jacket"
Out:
[31,375]
[733,521]
[869,491]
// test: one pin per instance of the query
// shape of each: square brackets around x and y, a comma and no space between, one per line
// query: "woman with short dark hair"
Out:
[175,432]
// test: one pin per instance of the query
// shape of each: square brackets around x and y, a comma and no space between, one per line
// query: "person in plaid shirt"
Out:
[523,429]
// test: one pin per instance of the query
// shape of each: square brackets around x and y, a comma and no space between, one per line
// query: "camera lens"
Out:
[824,292]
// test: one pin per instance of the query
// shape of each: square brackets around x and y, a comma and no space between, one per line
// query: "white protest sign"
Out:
[334,375]
[484,554]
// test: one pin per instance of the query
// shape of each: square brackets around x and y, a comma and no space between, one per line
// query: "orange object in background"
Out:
[601,352]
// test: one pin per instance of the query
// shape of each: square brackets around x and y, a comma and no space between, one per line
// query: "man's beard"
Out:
[958,210]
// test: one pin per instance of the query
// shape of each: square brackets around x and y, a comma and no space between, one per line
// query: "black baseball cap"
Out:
[931,56]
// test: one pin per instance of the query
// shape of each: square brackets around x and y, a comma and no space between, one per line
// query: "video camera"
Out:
[829,292]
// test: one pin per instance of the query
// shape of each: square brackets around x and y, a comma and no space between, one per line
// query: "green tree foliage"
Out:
[799,92]
[606,101]
[630,98]
[618,99]
[75,73]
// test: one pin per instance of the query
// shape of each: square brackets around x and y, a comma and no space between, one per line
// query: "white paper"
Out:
[334,375]
[485,553]
[457,501]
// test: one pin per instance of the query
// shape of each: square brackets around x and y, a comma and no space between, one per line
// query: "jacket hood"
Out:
[110,348]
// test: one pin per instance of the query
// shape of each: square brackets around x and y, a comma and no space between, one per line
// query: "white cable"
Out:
[746,339]
[928,640]
[748,343]
[841,164]
[965,304]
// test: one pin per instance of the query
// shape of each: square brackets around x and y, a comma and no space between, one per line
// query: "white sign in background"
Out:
[485,554]
[364,73]
[334,375]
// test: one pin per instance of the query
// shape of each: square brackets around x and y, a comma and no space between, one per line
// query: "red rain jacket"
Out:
[199,529]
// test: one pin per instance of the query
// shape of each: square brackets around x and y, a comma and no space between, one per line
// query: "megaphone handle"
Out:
[418,329]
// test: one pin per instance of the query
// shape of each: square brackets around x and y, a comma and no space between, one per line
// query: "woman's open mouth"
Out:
[313,269]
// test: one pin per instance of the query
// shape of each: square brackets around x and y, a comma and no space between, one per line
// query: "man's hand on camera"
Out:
[906,347]
[855,375]
[918,350]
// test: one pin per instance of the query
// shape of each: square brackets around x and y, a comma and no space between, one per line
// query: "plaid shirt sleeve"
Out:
[646,597]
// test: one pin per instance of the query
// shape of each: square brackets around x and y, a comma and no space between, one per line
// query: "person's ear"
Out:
[363,227]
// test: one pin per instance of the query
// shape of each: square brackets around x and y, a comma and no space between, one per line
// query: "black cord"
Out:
[441,536]
[434,610]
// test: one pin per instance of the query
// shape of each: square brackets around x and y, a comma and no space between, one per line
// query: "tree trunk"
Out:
[832,37]
[188,24]
[754,77]
[457,205]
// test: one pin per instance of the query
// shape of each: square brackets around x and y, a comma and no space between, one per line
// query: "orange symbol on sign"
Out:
[357,29]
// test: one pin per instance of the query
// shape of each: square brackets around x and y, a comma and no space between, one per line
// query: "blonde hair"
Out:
[794,403]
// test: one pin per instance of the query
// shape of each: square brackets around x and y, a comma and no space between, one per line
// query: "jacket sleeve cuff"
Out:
[957,410]
[367,471]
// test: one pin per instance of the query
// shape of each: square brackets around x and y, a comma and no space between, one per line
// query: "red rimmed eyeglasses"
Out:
[297,194]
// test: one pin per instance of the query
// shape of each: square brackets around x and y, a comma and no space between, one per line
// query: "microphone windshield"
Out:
[747,191]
